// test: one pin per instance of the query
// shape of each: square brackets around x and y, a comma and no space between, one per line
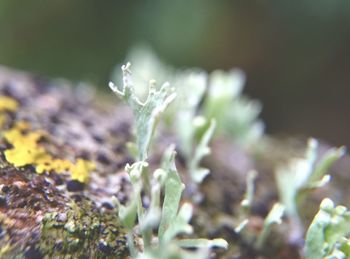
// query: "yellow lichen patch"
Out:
[17,138]
[3,119]
[8,104]
[22,125]
[27,151]
[57,165]
[81,169]
[23,155]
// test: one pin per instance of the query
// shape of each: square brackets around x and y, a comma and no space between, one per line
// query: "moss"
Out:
[80,231]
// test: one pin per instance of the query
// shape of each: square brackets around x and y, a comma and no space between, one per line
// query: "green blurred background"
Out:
[296,54]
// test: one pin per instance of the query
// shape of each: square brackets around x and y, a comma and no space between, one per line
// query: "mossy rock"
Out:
[55,215]
[52,215]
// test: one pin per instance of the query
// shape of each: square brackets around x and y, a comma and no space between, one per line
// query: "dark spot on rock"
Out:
[3,202]
[77,198]
[33,253]
[54,204]
[84,155]
[103,158]
[122,128]
[119,149]
[22,204]
[7,90]
[37,207]
[123,162]
[46,183]
[55,118]
[107,205]
[12,117]
[59,245]
[122,198]
[26,192]
[5,146]
[33,201]
[114,131]
[104,248]
[30,168]
[120,243]
[5,189]
[15,189]
[99,139]
[260,209]
[87,123]
[57,179]
[70,108]
[49,195]
[75,186]
[35,183]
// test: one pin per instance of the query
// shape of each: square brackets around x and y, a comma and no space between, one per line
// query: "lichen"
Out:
[80,171]
[41,214]
[82,230]
[8,104]
[26,150]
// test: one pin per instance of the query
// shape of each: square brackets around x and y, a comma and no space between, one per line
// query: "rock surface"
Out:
[51,215]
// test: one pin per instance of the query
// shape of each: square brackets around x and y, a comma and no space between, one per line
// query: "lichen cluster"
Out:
[7,104]
[26,148]
[48,206]
[80,230]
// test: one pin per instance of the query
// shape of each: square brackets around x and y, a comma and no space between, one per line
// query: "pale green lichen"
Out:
[274,217]
[328,234]
[201,99]
[249,194]
[197,172]
[146,113]
[302,174]
[236,115]
[218,95]
[168,218]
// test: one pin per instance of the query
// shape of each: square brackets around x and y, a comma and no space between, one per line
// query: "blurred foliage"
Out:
[293,52]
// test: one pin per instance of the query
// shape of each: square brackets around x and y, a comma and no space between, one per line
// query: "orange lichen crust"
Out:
[26,149]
